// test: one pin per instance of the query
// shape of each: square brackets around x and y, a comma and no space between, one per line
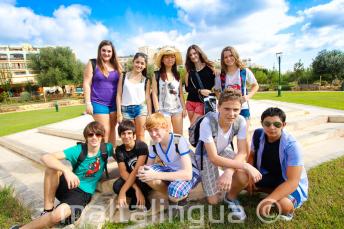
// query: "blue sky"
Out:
[257,28]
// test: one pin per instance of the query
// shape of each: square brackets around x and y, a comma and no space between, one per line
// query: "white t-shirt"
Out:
[223,139]
[169,100]
[171,158]
[233,81]
[133,93]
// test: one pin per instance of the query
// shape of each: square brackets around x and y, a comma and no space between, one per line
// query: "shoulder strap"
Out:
[199,80]
[94,63]
[243,81]
[176,138]
[146,81]
[82,155]
[223,81]
[104,155]
[256,137]
[213,123]
[157,78]
[123,75]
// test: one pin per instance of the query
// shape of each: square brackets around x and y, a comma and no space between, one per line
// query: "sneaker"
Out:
[15,227]
[287,217]
[46,211]
[132,204]
[236,209]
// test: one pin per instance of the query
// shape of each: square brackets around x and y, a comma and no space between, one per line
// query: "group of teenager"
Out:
[156,104]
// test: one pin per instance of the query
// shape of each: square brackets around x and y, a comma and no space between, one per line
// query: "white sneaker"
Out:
[287,217]
[237,211]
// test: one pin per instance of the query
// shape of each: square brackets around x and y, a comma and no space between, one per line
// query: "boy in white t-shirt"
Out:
[178,174]
[215,150]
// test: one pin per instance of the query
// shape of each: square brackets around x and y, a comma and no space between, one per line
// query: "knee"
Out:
[286,206]
[117,185]
[50,171]
[213,200]
[61,213]
[241,177]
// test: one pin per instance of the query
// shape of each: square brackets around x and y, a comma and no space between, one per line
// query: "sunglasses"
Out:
[90,135]
[276,124]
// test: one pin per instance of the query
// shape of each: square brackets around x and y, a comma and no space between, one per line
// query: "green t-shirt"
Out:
[90,170]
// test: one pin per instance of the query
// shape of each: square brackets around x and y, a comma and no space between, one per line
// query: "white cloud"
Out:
[69,26]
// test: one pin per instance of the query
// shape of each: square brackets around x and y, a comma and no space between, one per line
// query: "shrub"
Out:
[25,96]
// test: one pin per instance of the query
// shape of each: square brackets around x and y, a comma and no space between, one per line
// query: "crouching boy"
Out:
[73,188]
[178,173]
[130,156]
[214,150]
[276,154]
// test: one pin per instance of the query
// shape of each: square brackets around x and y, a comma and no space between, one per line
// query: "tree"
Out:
[56,66]
[329,65]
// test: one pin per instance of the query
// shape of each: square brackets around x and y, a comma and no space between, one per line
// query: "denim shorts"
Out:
[245,113]
[103,109]
[132,111]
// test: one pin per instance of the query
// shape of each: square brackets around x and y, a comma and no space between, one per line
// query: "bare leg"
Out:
[104,119]
[139,126]
[177,123]
[50,219]
[113,123]
[215,199]
[239,182]
[168,118]
[51,182]
[194,118]
[190,115]
[158,185]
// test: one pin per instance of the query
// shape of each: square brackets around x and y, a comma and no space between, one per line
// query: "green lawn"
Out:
[324,208]
[19,121]
[322,99]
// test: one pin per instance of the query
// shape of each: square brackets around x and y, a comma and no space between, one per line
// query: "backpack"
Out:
[83,155]
[194,130]
[94,64]
[242,81]
[256,138]
[157,78]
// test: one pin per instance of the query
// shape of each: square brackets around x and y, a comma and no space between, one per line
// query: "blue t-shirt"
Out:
[90,170]
[290,155]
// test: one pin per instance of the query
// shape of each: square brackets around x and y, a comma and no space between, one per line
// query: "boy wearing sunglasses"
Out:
[276,154]
[73,188]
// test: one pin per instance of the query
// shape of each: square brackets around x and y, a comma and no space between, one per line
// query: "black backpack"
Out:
[83,155]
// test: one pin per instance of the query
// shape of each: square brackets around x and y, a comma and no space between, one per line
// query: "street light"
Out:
[279,89]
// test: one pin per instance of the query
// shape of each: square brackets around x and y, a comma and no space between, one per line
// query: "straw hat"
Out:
[168,50]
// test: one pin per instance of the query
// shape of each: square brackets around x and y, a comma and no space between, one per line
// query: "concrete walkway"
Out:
[320,132]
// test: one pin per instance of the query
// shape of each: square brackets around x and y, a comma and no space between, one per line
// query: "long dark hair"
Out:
[114,60]
[174,70]
[144,56]
[236,56]
[189,65]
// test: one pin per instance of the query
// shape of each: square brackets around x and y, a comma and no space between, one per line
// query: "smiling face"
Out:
[194,56]
[228,59]
[158,134]
[169,60]
[106,53]
[229,111]
[273,127]
[139,64]
[128,137]
[94,139]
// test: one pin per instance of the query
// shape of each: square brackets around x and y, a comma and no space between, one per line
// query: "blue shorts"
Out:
[295,199]
[245,113]
[132,111]
[103,109]
[178,188]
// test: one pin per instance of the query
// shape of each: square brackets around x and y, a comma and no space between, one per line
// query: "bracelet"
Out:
[88,103]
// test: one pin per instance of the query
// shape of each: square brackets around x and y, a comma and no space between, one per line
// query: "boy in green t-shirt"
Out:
[73,188]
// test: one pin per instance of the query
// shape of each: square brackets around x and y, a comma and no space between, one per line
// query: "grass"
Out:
[11,211]
[324,208]
[333,100]
[20,121]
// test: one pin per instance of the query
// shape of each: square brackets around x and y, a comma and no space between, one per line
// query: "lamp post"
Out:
[279,89]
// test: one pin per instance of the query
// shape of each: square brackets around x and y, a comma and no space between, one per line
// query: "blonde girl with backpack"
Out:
[133,95]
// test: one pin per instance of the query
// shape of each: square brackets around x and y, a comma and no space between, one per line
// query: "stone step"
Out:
[25,176]
[323,151]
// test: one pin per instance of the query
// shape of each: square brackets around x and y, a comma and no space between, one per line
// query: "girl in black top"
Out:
[197,61]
